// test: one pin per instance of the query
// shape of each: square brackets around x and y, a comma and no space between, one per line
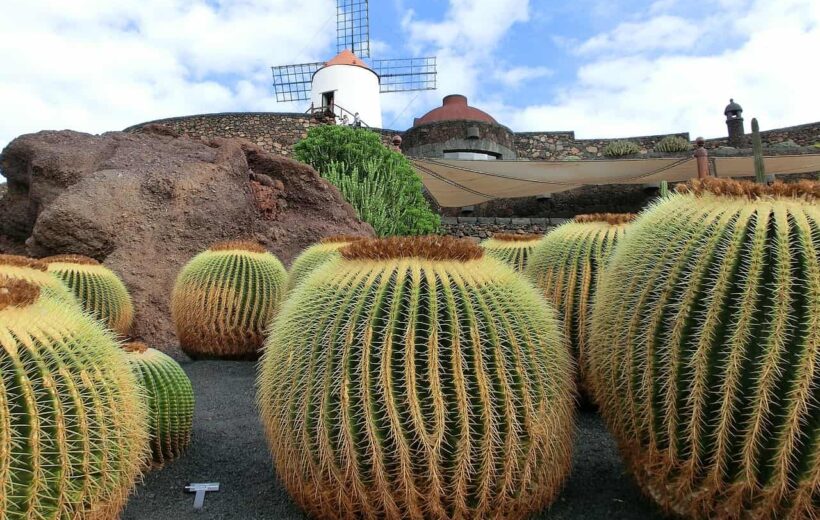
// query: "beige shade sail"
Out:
[458,183]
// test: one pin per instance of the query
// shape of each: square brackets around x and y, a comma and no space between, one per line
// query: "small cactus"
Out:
[620,148]
[416,378]
[566,267]
[317,255]
[673,143]
[170,401]
[514,249]
[224,298]
[704,350]
[36,272]
[98,289]
[73,428]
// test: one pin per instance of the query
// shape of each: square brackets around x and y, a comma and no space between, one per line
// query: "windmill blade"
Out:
[404,75]
[292,82]
[353,27]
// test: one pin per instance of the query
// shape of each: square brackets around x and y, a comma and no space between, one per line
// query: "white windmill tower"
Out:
[346,86]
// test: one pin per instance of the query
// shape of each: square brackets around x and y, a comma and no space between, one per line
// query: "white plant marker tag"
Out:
[200,489]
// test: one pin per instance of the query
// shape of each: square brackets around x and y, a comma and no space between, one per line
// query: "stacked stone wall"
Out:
[274,132]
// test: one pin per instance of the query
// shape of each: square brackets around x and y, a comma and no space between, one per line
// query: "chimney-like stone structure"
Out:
[734,123]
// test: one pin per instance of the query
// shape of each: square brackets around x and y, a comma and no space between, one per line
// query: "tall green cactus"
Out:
[224,298]
[705,350]
[36,272]
[757,151]
[511,248]
[317,255]
[73,429]
[416,378]
[170,401]
[566,267]
[98,289]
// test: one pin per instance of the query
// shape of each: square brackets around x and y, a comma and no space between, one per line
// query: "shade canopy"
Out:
[458,183]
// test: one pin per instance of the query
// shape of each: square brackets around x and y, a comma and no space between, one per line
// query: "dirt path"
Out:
[229,448]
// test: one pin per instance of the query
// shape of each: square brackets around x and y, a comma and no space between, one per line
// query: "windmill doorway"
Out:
[328,102]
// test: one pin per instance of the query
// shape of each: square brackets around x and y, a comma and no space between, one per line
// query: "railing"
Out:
[338,113]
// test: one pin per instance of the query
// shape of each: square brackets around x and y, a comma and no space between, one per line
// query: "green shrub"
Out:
[672,143]
[383,198]
[620,148]
[378,182]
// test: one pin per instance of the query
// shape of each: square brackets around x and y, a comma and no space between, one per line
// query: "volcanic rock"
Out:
[145,203]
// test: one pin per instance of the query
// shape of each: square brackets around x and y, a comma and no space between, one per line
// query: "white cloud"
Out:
[515,76]
[659,33]
[624,93]
[96,65]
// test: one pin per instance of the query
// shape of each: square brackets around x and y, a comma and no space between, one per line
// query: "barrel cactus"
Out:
[673,143]
[705,350]
[316,255]
[224,299]
[36,272]
[170,401]
[98,289]
[620,148]
[511,248]
[73,429]
[566,267]
[416,378]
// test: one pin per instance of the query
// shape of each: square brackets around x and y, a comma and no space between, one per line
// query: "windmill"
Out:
[347,86]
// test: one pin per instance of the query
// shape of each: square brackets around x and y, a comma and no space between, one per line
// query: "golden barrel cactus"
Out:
[170,401]
[98,289]
[566,266]
[224,298]
[514,249]
[317,255]
[705,350]
[73,429]
[36,272]
[416,378]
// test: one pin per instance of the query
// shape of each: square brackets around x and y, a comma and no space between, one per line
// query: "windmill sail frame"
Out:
[353,27]
[292,82]
[406,74]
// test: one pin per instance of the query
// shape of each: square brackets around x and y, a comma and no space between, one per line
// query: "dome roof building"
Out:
[455,130]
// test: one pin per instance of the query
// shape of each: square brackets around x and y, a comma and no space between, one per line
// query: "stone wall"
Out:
[485,227]
[556,146]
[273,131]
[278,132]
[801,135]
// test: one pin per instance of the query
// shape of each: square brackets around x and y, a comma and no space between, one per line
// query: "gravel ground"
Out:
[229,447]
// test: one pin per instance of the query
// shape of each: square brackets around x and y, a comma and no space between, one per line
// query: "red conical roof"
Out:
[347,58]
[454,107]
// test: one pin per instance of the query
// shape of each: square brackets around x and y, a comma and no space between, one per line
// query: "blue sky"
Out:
[603,68]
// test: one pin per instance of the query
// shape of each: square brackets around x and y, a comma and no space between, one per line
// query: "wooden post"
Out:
[757,148]
[702,157]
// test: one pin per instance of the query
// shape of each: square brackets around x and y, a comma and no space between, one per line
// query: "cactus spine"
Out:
[98,289]
[315,256]
[705,350]
[73,431]
[566,267]
[416,378]
[170,401]
[511,248]
[224,298]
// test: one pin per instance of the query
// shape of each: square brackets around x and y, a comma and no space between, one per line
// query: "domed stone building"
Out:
[455,130]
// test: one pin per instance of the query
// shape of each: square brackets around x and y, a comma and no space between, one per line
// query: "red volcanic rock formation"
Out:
[145,203]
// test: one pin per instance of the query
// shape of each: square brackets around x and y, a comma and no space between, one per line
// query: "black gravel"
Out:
[229,447]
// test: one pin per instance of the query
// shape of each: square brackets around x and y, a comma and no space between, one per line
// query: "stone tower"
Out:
[734,123]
